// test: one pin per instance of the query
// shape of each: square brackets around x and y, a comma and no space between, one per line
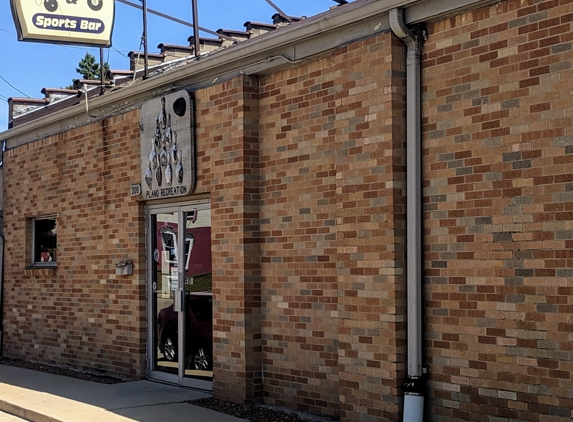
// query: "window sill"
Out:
[45,270]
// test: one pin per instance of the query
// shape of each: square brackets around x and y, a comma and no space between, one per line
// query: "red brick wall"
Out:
[81,314]
[498,153]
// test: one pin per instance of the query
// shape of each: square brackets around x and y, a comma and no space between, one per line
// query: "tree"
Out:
[89,68]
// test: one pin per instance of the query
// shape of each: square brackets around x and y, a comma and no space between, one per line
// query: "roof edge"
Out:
[291,44]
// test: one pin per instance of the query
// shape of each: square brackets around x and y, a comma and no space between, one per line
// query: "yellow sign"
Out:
[88,22]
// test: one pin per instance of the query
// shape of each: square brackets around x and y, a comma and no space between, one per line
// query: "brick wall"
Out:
[370,228]
[228,170]
[298,230]
[331,225]
[305,172]
[498,151]
[81,314]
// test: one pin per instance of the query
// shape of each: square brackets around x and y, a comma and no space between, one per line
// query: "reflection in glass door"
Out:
[180,309]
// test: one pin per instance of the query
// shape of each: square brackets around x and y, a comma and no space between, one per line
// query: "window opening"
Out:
[45,241]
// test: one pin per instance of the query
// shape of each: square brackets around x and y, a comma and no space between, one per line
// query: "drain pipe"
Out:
[2,293]
[414,389]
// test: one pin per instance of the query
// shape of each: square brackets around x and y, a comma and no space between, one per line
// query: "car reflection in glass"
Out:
[199,335]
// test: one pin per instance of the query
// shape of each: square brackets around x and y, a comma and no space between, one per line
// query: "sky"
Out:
[28,67]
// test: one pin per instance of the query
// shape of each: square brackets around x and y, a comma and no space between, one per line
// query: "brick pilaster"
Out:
[231,125]
[370,228]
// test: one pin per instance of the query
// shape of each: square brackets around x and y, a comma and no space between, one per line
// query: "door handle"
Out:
[177,305]
[179,292]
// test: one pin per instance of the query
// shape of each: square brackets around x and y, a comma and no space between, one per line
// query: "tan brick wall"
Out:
[498,151]
[330,222]
[81,314]
[298,227]
[228,169]
[308,297]
[305,172]
[370,228]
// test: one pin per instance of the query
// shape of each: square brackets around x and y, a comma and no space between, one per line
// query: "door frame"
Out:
[180,209]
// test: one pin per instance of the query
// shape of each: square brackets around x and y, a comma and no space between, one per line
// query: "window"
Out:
[45,241]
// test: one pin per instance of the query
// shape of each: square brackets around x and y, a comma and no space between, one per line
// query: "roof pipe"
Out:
[414,389]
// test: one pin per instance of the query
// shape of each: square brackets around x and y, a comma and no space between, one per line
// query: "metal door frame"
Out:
[180,210]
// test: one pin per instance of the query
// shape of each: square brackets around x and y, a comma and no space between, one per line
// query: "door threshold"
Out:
[188,383]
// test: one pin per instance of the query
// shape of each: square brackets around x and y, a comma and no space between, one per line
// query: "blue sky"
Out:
[27,67]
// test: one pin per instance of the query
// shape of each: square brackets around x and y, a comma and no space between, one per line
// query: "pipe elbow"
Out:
[398,25]
[413,38]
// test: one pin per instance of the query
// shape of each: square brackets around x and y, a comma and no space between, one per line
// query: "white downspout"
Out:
[414,388]
[2,294]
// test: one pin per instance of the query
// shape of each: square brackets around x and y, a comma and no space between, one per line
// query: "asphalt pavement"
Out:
[41,397]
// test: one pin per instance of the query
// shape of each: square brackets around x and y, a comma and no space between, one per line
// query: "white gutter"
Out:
[415,385]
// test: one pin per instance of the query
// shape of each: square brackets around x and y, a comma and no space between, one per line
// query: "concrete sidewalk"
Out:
[41,397]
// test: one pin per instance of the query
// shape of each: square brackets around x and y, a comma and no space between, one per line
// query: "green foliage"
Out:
[89,68]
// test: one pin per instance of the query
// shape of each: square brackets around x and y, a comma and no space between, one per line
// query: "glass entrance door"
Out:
[180,298]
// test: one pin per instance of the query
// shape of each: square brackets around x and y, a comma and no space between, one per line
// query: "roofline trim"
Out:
[292,43]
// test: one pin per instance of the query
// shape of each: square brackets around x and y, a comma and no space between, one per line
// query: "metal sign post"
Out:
[101,71]
[145,51]
[195,27]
